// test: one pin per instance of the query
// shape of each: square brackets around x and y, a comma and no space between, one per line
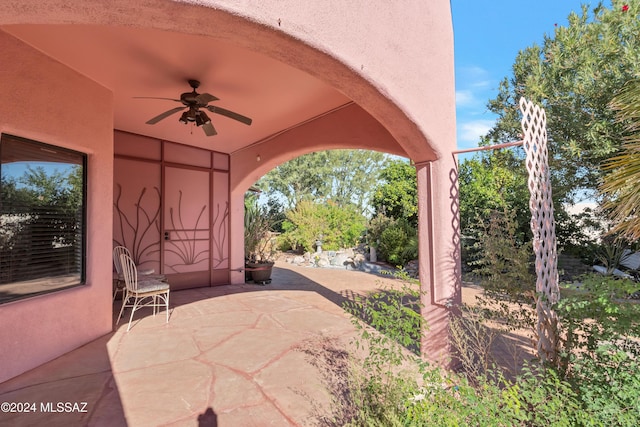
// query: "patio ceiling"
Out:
[154,63]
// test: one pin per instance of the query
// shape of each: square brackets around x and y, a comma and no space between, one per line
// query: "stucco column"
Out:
[439,254]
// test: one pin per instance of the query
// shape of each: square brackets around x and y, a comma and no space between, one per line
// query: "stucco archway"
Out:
[393,65]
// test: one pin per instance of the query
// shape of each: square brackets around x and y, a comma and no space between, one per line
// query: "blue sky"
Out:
[488,35]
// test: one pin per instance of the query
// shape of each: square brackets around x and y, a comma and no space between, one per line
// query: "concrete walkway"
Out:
[229,356]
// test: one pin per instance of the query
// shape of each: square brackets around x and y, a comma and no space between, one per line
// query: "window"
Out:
[42,218]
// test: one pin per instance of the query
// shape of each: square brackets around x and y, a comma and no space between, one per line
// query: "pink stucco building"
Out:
[312,76]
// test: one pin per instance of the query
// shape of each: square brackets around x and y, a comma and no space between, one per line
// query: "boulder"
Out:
[358,259]
[322,261]
[341,260]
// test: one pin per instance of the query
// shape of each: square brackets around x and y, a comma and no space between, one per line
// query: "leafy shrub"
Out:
[611,254]
[536,399]
[390,326]
[375,227]
[598,329]
[337,227]
[600,351]
[595,383]
[386,391]
[399,242]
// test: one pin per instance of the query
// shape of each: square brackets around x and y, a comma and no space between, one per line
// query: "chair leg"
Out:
[115,290]
[166,301]
[125,299]
[119,287]
[133,310]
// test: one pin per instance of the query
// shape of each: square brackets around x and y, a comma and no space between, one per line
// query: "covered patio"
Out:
[88,77]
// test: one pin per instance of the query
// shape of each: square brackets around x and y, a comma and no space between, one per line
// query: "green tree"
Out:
[397,196]
[574,75]
[296,180]
[37,187]
[493,181]
[343,176]
[354,174]
[42,203]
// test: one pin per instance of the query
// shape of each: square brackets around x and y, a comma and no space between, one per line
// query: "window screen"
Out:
[42,218]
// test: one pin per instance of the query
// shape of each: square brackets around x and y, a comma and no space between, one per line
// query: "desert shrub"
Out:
[593,383]
[598,327]
[390,327]
[538,398]
[394,387]
[600,349]
[504,264]
[503,261]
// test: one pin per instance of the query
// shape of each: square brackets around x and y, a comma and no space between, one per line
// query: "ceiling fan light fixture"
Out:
[193,101]
[202,118]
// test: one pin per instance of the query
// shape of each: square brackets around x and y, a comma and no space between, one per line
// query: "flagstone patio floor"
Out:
[229,356]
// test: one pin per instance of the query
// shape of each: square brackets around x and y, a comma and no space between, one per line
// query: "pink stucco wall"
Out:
[44,102]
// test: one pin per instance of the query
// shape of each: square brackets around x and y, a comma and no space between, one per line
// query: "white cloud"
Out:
[465,98]
[469,132]
[474,76]
[473,72]
[473,87]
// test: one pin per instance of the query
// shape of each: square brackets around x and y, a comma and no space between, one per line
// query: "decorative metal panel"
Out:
[186,220]
[220,222]
[136,205]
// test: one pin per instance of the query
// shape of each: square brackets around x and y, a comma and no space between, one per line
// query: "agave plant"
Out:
[612,254]
[258,227]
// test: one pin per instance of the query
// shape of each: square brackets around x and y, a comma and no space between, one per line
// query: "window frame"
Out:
[76,158]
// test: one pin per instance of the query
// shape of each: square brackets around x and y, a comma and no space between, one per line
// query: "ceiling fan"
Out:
[192,103]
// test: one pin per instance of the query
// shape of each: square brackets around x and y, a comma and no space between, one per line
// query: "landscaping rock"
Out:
[322,260]
[341,259]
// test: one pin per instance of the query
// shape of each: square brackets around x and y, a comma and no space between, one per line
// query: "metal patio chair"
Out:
[147,274]
[146,293]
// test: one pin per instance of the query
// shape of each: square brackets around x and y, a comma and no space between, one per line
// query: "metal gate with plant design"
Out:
[171,209]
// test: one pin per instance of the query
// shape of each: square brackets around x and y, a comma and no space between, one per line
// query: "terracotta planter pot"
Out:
[260,271]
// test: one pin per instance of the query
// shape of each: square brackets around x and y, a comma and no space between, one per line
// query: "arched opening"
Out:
[319,206]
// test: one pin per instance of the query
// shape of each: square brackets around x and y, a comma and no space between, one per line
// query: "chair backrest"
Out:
[129,271]
[117,251]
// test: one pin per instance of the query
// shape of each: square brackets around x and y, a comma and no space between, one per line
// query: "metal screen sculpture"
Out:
[543,227]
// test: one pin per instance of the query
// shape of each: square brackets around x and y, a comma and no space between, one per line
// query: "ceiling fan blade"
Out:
[205,98]
[208,129]
[230,114]
[153,97]
[164,115]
